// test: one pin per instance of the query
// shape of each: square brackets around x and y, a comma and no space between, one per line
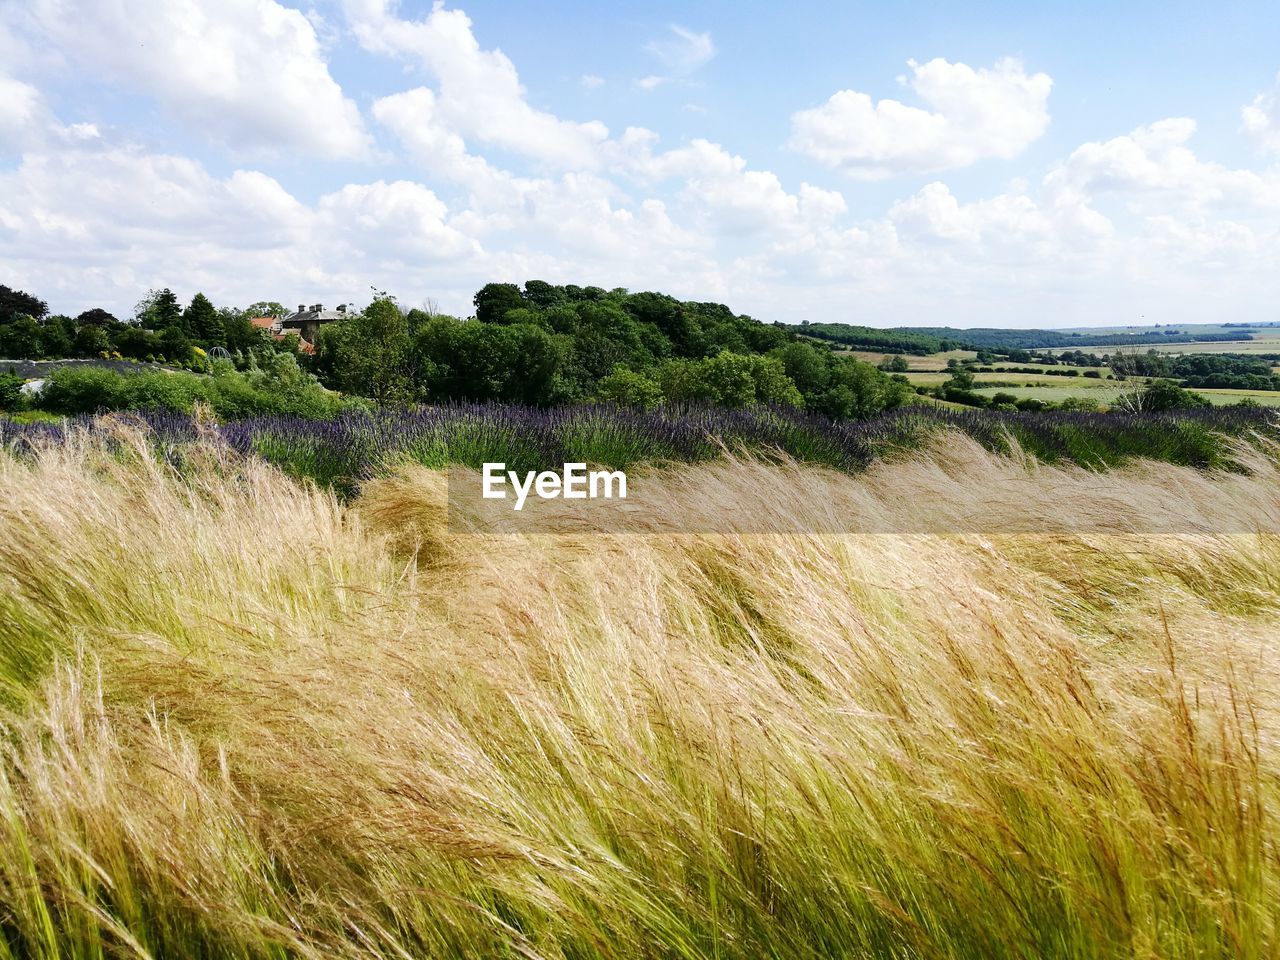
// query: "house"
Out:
[306,321]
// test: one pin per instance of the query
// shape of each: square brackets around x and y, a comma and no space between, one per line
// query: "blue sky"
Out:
[1004,164]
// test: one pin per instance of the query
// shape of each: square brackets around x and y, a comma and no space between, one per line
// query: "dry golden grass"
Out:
[242,719]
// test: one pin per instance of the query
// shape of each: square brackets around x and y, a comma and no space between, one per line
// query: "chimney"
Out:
[342,308]
[319,307]
[302,308]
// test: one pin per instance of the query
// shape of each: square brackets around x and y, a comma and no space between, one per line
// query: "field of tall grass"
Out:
[245,717]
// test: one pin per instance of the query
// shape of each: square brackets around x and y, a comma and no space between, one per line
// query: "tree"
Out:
[859,390]
[729,380]
[202,321]
[629,388]
[493,300]
[11,396]
[542,295]
[90,341]
[54,340]
[137,343]
[21,339]
[265,308]
[961,378]
[96,317]
[16,303]
[370,354]
[808,368]
[515,363]
[1166,395]
[159,310]
[174,344]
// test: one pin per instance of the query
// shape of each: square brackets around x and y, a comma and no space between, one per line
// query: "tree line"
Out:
[539,344]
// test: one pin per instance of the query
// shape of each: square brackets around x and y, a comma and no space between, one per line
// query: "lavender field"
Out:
[345,451]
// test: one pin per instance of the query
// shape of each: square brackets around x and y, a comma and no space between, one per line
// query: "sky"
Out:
[931,163]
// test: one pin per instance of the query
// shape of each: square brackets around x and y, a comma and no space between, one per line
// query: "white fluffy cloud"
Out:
[248,74]
[972,114]
[479,95]
[99,226]
[1262,118]
[1154,170]
[21,111]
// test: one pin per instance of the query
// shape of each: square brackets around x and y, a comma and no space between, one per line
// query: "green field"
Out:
[934,379]
[1269,344]
[1110,392]
[935,361]
[1186,328]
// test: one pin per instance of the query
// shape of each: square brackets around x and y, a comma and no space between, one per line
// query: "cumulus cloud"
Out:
[248,74]
[721,191]
[27,123]
[99,226]
[479,95]
[970,115]
[1262,118]
[1153,169]
[21,112]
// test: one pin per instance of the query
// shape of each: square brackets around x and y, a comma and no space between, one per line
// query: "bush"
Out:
[1166,395]
[629,389]
[11,396]
[230,394]
[69,391]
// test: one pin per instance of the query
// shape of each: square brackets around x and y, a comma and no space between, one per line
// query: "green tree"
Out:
[90,341]
[265,308]
[16,303]
[961,378]
[202,321]
[370,354]
[174,344]
[809,368]
[858,389]
[159,310]
[729,380]
[629,388]
[12,398]
[96,317]
[540,294]
[21,339]
[493,300]
[516,363]
[1166,395]
[137,343]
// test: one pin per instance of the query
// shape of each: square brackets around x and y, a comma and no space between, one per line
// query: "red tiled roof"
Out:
[263,323]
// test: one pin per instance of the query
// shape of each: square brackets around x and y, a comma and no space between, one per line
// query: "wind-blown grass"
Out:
[245,718]
[349,449]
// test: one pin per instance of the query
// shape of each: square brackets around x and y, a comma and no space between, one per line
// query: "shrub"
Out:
[629,389]
[70,391]
[231,395]
[11,395]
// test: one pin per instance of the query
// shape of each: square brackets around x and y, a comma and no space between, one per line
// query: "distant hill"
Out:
[925,340]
